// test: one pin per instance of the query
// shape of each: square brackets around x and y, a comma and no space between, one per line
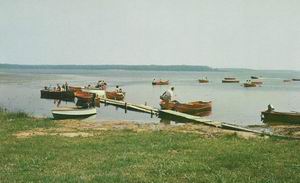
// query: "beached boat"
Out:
[249,85]
[115,95]
[160,82]
[53,94]
[73,112]
[203,81]
[280,117]
[84,96]
[295,79]
[189,108]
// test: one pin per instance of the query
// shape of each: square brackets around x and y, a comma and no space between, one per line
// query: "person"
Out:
[118,89]
[66,86]
[168,95]
[58,87]
[270,108]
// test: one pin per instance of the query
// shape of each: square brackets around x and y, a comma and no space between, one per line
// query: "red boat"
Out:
[160,82]
[84,96]
[75,88]
[115,95]
[193,108]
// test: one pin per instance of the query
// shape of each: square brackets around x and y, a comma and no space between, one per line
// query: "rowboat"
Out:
[84,96]
[53,94]
[194,108]
[295,79]
[280,117]
[254,77]
[249,84]
[161,82]
[73,112]
[230,81]
[203,81]
[257,82]
[115,95]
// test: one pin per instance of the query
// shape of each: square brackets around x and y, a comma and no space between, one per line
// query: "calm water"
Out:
[20,91]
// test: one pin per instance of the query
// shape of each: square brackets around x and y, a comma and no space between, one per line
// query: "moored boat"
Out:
[84,96]
[257,82]
[280,117]
[229,78]
[287,80]
[99,93]
[115,95]
[254,77]
[249,85]
[53,94]
[73,112]
[160,82]
[295,79]
[230,81]
[75,88]
[203,81]
[189,108]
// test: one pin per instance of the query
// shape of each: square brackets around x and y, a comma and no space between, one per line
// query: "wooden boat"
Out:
[161,82]
[280,117]
[73,112]
[84,96]
[249,85]
[115,95]
[229,78]
[194,108]
[257,82]
[203,81]
[254,77]
[295,79]
[230,81]
[52,94]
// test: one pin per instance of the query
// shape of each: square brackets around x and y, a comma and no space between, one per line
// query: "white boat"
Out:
[99,93]
[73,112]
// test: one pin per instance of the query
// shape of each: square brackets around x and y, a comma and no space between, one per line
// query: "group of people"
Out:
[102,85]
[64,87]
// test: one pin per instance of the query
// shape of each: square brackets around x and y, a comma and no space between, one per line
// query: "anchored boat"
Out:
[280,117]
[73,112]
[189,108]
[203,81]
[161,82]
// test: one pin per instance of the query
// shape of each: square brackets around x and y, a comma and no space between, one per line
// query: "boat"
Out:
[254,77]
[160,82]
[84,96]
[193,108]
[115,95]
[229,78]
[295,79]
[53,94]
[280,117]
[287,80]
[249,85]
[257,82]
[73,112]
[230,81]
[203,81]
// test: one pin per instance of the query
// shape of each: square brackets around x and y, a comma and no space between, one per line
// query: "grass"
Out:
[127,156]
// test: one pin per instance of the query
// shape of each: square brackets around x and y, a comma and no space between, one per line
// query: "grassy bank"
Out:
[146,156]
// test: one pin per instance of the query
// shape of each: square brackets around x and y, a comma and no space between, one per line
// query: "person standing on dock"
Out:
[168,95]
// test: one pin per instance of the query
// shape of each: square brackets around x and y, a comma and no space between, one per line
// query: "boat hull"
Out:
[99,93]
[230,81]
[71,113]
[280,117]
[64,95]
[203,81]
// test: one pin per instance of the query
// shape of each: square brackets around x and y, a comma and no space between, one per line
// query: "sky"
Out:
[257,34]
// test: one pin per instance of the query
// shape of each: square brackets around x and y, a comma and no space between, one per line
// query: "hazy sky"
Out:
[262,34]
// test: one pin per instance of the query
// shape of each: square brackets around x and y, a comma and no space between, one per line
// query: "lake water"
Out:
[232,103]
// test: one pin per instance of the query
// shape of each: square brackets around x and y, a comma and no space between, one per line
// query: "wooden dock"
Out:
[192,118]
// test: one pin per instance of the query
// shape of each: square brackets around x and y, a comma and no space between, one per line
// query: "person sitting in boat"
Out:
[118,89]
[270,108]
[58,88]
[168,95]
